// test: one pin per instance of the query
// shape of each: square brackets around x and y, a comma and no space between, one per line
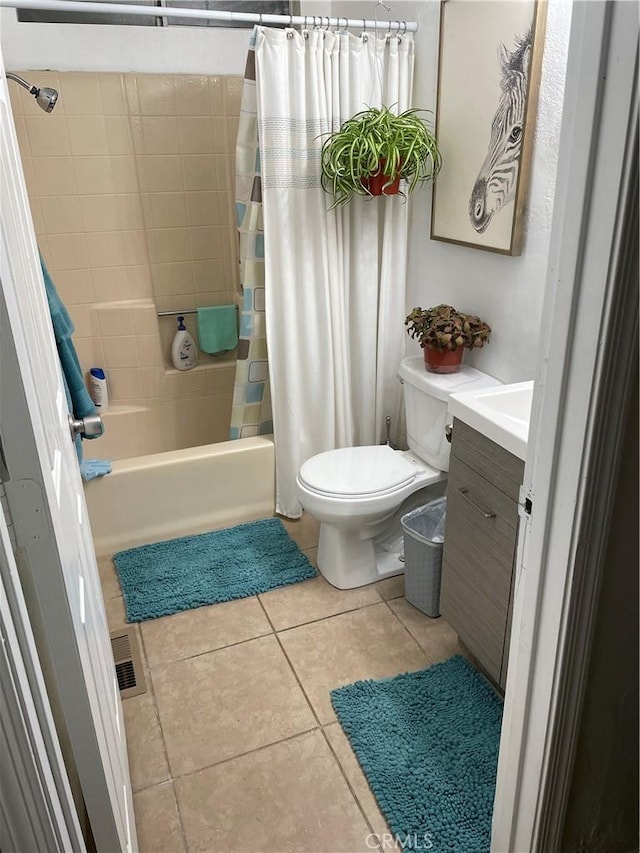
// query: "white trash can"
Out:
[423,530]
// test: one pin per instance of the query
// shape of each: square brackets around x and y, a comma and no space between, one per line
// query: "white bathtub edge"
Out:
[150,498]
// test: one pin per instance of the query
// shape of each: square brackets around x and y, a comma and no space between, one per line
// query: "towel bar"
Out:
[180,313]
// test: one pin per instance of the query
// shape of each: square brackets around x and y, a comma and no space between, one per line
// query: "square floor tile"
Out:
[108,578]
[436,637]
[304,531]
[147,760]
[311,600]
[116,615]
[224,703]
[157,821]
[203,629]
[367,643]
[358,781]
[390,588]
[288,797]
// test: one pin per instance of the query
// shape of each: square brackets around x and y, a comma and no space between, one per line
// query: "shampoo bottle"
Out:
[183,350]
[98,389]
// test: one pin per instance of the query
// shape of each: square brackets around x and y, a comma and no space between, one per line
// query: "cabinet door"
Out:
[477,563]
[495,464]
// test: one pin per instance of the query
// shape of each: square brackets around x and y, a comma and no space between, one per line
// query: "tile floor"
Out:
[235,745]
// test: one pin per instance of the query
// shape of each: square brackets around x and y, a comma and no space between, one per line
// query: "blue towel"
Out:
[78,400]
[92,468]
[63,329]
[218,328]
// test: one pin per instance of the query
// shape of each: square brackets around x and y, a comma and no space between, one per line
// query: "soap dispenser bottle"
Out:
[183,350]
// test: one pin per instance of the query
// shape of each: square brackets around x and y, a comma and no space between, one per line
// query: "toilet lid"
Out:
[357,471]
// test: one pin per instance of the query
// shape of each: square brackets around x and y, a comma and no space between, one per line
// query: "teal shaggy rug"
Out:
[428,744]
[236,562]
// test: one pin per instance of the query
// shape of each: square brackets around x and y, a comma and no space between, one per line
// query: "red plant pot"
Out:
[442,360]
[380,184]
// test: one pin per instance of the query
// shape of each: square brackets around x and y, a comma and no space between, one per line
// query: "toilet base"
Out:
[356,556]
[347,560]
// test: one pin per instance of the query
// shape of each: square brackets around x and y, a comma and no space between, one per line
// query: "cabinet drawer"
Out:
[501,468]
[477,563]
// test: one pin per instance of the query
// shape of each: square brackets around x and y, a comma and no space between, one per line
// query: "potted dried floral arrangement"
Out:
[444,334]
[374,150]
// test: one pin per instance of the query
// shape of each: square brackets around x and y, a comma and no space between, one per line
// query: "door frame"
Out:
[583,367]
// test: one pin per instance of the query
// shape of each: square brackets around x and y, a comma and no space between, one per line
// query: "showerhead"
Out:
[46,98]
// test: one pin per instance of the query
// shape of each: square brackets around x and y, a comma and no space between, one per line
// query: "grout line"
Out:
[183,834]
[331,616]
[239,755]
[266,615]
[393,613]
[321,618]
[156,711]
[349,785]
[159,664]
[291,667]
[152,691]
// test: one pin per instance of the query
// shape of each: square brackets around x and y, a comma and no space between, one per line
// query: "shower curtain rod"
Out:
[323,22]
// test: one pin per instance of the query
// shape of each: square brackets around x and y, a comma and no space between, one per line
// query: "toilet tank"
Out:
[426,400]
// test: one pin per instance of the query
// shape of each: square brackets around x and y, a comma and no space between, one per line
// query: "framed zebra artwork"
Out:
[488,80]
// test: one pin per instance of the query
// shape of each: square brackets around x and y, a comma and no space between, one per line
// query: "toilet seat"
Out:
[357,472]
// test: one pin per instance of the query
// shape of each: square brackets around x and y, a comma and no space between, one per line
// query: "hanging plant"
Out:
[376,148]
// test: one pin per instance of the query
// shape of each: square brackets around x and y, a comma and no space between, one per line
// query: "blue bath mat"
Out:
[428,744]
[237,562]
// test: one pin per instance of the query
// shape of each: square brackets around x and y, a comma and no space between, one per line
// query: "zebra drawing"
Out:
[496,183]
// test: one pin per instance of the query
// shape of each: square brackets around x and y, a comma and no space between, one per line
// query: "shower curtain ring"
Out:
[404,28]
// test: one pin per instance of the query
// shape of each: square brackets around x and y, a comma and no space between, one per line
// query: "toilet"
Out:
[358,494]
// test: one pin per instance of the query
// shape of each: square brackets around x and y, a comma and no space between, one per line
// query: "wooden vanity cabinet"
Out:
[480,544]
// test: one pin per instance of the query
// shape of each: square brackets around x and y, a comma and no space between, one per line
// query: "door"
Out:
[46,500]
[37,810]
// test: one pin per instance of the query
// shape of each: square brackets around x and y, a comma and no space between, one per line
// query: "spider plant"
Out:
[378,142]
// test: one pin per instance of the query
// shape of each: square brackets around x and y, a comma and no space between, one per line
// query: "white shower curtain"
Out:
[335,280]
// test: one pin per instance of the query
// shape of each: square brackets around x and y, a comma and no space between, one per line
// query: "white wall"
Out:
[506,292]
[95,47]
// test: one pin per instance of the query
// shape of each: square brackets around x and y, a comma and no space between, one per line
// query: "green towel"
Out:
[217,328]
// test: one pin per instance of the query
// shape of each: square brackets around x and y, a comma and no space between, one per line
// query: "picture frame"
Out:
[489,66]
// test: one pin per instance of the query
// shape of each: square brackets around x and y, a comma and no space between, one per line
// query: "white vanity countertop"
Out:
[501,414]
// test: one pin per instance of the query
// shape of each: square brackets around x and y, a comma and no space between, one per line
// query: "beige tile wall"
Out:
[130,182]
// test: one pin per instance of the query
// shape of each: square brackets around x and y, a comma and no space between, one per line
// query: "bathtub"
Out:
[149,498]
